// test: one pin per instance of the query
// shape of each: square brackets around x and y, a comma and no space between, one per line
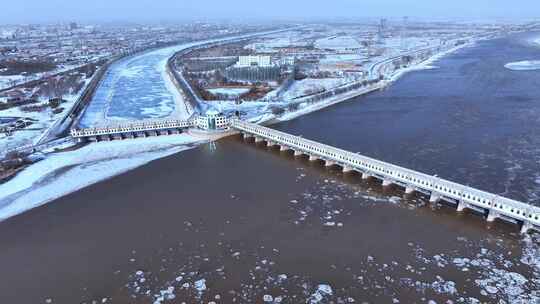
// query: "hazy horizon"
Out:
[29,11]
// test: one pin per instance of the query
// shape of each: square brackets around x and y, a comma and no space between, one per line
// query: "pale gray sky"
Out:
[13,11]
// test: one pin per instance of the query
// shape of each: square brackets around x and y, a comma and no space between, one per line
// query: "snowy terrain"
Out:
[44,120]
[7,81]
[529,65]
[341,43]
[229,91]
[310,86]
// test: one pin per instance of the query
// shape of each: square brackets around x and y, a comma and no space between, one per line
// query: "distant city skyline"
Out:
[28,11]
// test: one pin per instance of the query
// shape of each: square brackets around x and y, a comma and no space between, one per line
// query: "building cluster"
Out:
[28,52]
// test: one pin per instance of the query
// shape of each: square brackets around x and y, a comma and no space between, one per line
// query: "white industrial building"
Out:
[213,120]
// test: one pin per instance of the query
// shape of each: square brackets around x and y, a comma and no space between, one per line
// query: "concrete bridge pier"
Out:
[129,135]
[409,190]
[269,143]
[462,206]
[298,153]
[283,148]
[387,183]
[313,158]
[329,163]
[434,198]
[258,139]
[365,176]
[492,215]
[525,227]
[347,169]
[175,131]
[117,137]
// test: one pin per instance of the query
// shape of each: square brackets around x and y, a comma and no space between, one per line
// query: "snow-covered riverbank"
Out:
[66,172]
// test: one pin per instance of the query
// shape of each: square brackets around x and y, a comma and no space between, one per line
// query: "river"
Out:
[231,221]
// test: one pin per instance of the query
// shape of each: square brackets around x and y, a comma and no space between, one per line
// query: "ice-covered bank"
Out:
[63,173]
[528,65]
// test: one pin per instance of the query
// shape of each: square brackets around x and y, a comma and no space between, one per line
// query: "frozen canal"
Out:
[139,88]
[136,88]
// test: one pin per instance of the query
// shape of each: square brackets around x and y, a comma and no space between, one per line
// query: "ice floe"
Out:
[527,65]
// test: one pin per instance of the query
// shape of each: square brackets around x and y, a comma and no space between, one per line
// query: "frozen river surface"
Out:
[136,88]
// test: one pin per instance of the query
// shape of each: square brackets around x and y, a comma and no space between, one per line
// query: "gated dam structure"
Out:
[463,197]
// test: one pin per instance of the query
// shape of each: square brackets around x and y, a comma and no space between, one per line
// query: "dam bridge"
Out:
[132,130]
[438,189]
[463,197]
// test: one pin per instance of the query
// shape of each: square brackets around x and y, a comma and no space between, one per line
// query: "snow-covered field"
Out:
[229,91]
[44,120]
[310,86]
[341,43]
[62,173]
[528,65]
[6,81]
[354,58]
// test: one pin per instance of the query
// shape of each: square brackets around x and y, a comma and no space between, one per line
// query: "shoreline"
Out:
[28,187]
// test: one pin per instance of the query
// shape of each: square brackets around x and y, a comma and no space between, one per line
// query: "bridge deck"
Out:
[464,196]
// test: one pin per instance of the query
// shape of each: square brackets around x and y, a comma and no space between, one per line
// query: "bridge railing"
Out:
[437,186]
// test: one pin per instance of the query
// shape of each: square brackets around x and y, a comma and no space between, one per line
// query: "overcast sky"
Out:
[27,11]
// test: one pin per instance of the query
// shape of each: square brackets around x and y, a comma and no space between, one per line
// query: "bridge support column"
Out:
[462,206]
[297,153]
[246,135]
[313,158]
[347,169]
[492,215]
[387,182]
[365,176]
[434,198]
[175,131]
[329,163]
[525,227]
[409,190]
[283,148]
[258,139]
[269,144]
